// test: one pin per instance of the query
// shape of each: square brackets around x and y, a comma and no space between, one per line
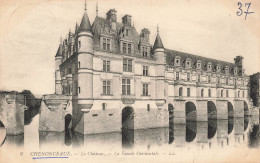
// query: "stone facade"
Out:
[107,67]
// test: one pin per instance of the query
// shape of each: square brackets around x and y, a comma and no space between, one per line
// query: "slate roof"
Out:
[158,42]
[85,24]
[171,54]
[59,51]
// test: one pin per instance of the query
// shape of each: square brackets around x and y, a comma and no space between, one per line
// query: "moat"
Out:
[192,136]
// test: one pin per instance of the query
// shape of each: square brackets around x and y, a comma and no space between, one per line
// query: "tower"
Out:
[85,64]
[239,64]
[58,57]
[160,56]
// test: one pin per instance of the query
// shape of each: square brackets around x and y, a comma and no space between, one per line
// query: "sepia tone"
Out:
[121,88]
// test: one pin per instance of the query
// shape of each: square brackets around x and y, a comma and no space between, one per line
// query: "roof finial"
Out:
[157,28]
[85,5]
[97,9]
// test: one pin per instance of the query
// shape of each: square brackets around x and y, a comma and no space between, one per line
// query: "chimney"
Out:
[127,20]
[111,15]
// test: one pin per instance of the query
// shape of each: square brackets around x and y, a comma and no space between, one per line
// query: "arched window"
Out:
[209,93]
[180,91]
[188,92]
[221,94]
[227,93]
[202,93]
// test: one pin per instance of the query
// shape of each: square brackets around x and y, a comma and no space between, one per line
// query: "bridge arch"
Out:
[246,109]
[2,133]
[230,110]
[68,119]
[212,110]
[171,113]
[190,111]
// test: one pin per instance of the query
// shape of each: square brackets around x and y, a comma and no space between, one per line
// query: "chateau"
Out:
[116,77]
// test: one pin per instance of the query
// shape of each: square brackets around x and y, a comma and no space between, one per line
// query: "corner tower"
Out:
[160,57]
[85,64]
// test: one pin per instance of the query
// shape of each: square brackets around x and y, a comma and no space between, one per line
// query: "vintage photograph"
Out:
[129,81]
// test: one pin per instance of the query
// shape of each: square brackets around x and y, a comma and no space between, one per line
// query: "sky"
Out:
[30,32]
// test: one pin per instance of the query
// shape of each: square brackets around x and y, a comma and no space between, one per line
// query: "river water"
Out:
[194,138]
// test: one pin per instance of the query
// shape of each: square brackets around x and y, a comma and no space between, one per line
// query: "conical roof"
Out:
[59,52]
[158,42]
[85,24]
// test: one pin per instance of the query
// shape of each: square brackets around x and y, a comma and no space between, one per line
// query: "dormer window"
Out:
[188,62]
[218,68]
[177,61]
[126,48]
[235,71]
[198,64]
[126,32]
[145,51]
[209,66]
[106,44]
[226,69]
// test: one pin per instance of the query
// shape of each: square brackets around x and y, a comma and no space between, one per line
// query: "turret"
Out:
[85,64]
[160,57]
[58,57]
[239,64]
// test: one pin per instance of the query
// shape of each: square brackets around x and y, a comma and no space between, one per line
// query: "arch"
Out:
[246,110]
[212,110]
[230,125]
[68,119]
[180,91]
[2,133]
[246,121]
[128,118]
[230,110]
[190,111]
[171,111]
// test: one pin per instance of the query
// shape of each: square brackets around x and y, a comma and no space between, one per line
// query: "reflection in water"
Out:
[254,137]
[127,138]
[230,124]
[246,121]
[191,130]
[212,128]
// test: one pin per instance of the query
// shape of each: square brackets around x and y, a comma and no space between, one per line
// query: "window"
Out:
[103,106]
[148,107]
[218,80]
[126,32]
[221,94]
[106,87]
[78,64]
[126,89]
[180,91]
[199,64]
[202,93]
[124,47]
[198,78]
[145,70]
[106,44]
[177,61]
[226,81]
[235,82]
[238,94]
[106,65]
[145,51]
[209,93]
[243,94]
[188,92]
[129,49]
[78,90]
[188,76]
[227,93]
[177,75]
[127,65]
[145,89]
[209,79]
[79,45]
